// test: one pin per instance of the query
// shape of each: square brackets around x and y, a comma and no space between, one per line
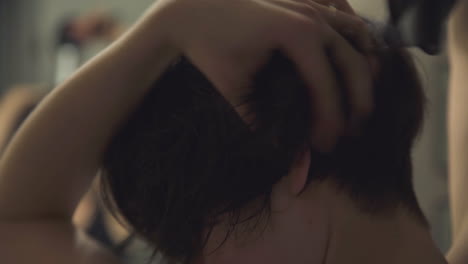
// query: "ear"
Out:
[297,178]
[291,185]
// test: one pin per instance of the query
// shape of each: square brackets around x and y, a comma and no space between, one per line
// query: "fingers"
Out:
[349,25]
[320,53]
[356,72]
[308,52]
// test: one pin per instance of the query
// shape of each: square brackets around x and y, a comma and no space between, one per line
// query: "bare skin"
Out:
[37,201]
[12,105]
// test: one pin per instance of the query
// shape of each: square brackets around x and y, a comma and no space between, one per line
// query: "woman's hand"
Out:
[229,40]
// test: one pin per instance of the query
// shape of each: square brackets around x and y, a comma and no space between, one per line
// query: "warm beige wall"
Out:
[374,9]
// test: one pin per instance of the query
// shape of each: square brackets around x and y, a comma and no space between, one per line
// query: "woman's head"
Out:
[185,161]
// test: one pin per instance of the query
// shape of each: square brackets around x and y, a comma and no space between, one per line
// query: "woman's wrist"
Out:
[147,45]
[157,21]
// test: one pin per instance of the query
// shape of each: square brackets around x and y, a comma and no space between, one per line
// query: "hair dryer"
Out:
[418,23]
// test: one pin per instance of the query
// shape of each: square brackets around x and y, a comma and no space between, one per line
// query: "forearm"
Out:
[55,155]
[12,107]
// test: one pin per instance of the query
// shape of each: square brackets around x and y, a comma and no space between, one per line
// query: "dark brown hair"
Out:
[185,157]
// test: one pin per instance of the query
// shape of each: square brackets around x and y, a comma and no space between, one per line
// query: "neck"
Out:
[324,226]
[357,237]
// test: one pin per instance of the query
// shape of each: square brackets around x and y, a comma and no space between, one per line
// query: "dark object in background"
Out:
[64,32]
[419,23]
[78,30]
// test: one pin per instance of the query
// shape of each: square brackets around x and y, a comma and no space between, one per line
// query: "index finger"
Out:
[308,51]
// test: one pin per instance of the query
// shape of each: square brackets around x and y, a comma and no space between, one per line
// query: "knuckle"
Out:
[360,26]
[309,10]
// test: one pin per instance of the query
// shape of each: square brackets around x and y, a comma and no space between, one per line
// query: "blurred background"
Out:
[43,41]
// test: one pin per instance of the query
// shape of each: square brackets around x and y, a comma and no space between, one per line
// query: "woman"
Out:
[227,48]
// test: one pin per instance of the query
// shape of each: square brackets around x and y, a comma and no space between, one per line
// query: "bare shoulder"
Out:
[48,243]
